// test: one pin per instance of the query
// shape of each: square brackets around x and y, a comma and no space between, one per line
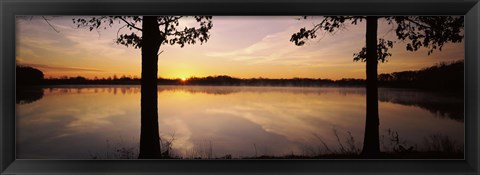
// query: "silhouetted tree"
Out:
[431,32]
[26,79]
[28,76]
[155,31]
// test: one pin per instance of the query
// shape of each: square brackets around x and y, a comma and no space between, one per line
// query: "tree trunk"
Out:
[371,144]
[149,133]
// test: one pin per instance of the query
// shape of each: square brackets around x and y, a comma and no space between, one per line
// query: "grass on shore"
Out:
[435,146]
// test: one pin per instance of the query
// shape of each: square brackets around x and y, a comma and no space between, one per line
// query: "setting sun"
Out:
[184,79]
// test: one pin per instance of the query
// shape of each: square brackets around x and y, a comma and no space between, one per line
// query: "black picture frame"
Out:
[10,8]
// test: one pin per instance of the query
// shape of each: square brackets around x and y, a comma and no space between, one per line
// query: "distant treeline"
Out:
[443,76]
[231,81]
[221,80]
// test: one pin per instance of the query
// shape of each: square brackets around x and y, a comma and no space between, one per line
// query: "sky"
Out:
[239,46]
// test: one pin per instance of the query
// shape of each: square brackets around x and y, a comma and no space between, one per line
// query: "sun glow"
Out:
[184,79]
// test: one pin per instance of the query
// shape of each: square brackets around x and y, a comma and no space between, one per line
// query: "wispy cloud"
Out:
[60,68]
[277,49]
[267,49]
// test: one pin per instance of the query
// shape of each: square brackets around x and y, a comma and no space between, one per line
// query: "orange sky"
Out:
[244,47]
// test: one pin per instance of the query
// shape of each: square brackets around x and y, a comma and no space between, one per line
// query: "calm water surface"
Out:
[204,121]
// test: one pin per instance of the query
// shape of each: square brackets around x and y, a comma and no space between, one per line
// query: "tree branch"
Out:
[118,31]
[129,24]
[416,23]
[176,17]
[165,32]
[160,52]
[46,20]
[319,25]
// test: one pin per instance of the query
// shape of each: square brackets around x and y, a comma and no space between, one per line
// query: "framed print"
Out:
[239,87]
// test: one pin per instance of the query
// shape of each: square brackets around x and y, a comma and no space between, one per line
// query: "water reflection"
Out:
[28,95]
[209,121]
[441,105]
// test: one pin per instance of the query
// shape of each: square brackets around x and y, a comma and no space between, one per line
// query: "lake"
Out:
[86,122]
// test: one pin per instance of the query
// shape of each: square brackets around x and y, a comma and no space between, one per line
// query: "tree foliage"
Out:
[170,33]
[430,32]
